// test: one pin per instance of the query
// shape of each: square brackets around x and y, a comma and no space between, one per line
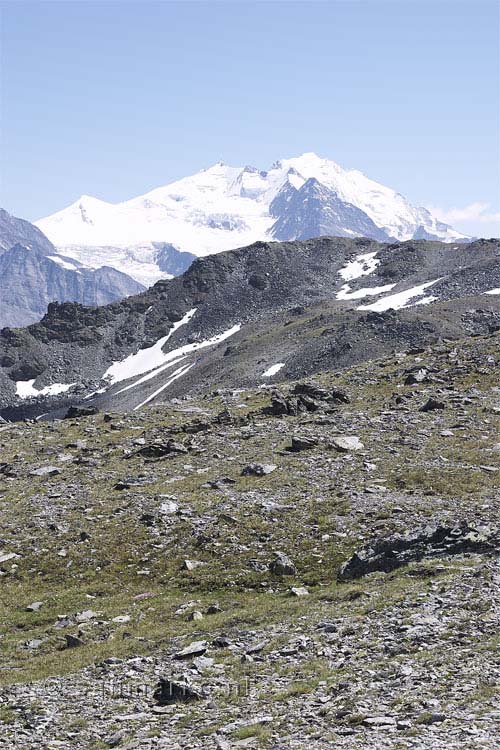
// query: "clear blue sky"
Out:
[115,98]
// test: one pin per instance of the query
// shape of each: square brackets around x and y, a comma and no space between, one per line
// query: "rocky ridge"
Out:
[300,307]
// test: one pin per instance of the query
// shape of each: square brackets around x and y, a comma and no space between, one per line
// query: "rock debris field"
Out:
[314,566]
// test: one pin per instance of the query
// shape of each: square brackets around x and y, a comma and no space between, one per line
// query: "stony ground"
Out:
[128,539]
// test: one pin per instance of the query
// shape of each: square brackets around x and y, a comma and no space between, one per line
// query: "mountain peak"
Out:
[222,207]
[85,199]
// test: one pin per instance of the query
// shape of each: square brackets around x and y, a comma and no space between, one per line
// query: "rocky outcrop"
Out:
[393,552]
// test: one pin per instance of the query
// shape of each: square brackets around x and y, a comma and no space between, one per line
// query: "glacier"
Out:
[222,208]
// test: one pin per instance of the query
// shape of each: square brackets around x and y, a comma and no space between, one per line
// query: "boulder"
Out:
[258,470]
[76,412]
[282,565]
[168,691]
[347,443]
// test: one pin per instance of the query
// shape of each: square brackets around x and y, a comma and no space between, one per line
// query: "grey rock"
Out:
[303,443]
[196,648]
[433,404]
[347,443]
[435,541]
[45,471]
[282,565]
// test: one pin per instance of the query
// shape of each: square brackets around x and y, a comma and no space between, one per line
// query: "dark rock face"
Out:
[172,261]
[76,412]
[315,211]
[438,541]
[283,298]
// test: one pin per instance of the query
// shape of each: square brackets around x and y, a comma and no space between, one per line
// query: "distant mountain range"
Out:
[33,273]
[94,252]
[224,207]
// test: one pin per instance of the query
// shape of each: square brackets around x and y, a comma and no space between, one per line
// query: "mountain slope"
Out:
[305,306]
[33,273]
[315,211]
[225,207]
[30,280]
[133,543]
[14,230]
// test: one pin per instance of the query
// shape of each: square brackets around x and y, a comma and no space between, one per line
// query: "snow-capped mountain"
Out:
[224,207]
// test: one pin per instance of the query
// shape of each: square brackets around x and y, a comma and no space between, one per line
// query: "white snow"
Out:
[345,291]
[145,359]
[400,299]
[151,374]
[130,367]
[63,263]
[362,265]
[153,361]
[493,291]
[26,389]
[178,355]
[177,374]
[273,370]
[216,209]
[426,300]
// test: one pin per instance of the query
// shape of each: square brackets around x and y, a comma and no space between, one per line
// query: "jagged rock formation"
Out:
[315,211]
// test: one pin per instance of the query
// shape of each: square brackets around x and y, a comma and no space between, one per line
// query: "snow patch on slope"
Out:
[401,299]
[177,374]
[145,359]
[26,389]
[345,292]
[273,370]
[362,265]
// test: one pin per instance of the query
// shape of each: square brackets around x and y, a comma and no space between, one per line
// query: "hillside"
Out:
[307,306]
[184,575]
[33,274]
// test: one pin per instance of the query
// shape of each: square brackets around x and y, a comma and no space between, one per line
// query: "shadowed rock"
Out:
[436,541]
[168,692]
